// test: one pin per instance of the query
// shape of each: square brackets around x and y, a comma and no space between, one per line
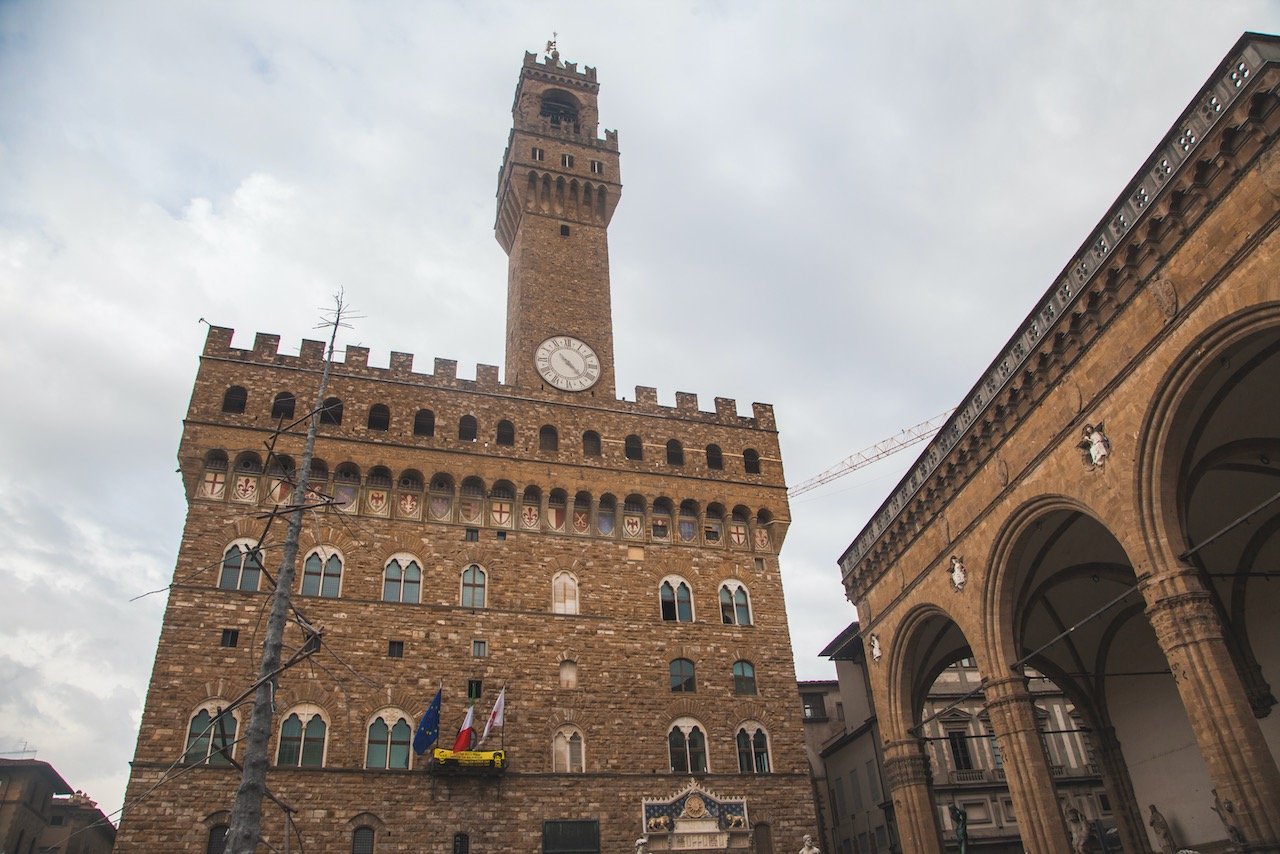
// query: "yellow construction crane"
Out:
[887,447]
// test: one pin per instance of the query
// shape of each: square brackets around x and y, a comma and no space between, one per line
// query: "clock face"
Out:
[567,363]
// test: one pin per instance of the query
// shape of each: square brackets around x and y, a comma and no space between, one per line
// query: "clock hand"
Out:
[569,365]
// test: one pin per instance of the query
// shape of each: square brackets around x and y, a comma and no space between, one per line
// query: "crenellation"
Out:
[265,345]
[446,369]
[356,357]
[646,396]
[401,364]
[487,376]
[726,408]
[311,353]
[762,413]
[686,402]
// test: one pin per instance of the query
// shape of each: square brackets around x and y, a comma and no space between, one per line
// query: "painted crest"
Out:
[377,501]
[530,515]
[214,485]
[279,491]
[604,524]
[580,522]
[246,488]
[762,538]
[631,526]
[500,513]
[687,530]
[470,509]
[661,529]
[439,507]
[410,505]
[345,497]
[711,533]
[555,517]
[738,533]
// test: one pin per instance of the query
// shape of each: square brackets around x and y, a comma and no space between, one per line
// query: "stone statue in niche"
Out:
[957,572]
[808,847]
[1079,831]
[1163,835]
[960,819]
[876,651]
[1094,445]
[1227,813]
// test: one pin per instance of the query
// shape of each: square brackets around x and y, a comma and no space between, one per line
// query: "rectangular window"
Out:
[566,160]
[473,690]
[55,820]
[835,817]
[1104,803]
[839,711]
[564,231]
[597,167]
[538,154]
[473,535]
[997,759]
[873,781]
[502,535]
[230,637]
[759,562]
[882,838]
[815,708]
[959,742]
[479,649]
[395,649]
[856,785]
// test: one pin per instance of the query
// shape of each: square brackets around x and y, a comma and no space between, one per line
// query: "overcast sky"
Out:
[842,209]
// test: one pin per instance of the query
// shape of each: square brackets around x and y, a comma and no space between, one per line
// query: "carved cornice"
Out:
[1189,171]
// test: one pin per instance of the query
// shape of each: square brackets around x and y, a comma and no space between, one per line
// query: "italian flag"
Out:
[467,733]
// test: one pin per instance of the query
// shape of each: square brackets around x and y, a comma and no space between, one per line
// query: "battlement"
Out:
[355,364]
[553,65]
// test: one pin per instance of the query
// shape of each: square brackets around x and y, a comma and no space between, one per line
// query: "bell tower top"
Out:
[557,191]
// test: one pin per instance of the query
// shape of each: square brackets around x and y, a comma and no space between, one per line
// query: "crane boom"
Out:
[887,447]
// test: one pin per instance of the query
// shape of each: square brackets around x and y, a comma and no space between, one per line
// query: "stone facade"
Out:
[575,510]
[39,812]
[1109,486]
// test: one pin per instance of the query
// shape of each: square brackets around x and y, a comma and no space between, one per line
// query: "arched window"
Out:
[744,678]
[751,461]
[682,680]
[633,447]
[210,741]
[216,460]
[424,423]
[402,580]
[467,428]
[241,567]
[506,435]
[735,610]
[677,602]
[568,674]
[753,749]
[567,754]
[217,843]
[249,462]
[473,582]
[379,418]
[362,840]
[282,407]
[675,453]
[687,747]
[591,444]
[302,738]
[715,458]
[234,399]
[564,593]
[548,438]
[379,477]
[322,575]
[347,473]
[331,411]
[387,745]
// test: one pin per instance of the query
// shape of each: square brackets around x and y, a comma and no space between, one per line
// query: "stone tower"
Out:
[613,564]
[557,191]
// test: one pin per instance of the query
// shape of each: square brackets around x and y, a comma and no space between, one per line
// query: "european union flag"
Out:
[429,729]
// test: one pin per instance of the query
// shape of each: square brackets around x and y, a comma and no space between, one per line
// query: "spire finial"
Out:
[551,47]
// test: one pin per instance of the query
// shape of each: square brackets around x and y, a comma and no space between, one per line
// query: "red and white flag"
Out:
[467,733]
[495,716]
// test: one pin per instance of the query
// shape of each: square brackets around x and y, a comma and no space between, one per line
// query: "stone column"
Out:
[1026,768]
[906,771]
[1191,634]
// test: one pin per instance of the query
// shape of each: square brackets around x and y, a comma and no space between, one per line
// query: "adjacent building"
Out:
[41,814]
[611,563]
[1103,509]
